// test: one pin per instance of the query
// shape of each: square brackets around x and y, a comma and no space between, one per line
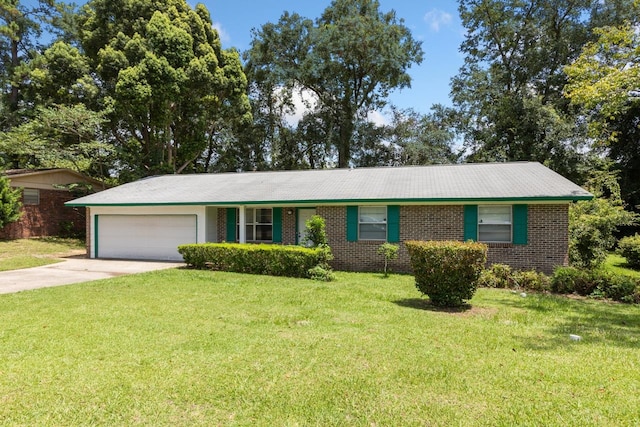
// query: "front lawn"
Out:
[618,264]
[26,253]
[185,347]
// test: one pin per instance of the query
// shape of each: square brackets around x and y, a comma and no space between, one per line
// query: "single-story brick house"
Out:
[519,209]
[43,199]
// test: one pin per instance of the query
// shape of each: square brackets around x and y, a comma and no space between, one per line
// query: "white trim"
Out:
[254,224]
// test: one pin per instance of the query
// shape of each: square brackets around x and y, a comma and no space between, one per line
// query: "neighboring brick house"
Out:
[43,209]
[519,209]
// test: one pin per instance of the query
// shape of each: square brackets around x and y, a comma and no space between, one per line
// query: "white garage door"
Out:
[144,236]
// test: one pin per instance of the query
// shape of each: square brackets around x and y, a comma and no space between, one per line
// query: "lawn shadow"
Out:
[426,305]
[594,321]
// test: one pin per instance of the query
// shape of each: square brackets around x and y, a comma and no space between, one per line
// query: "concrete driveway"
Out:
[74,270]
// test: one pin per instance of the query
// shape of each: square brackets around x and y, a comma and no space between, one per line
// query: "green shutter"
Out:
[277,225]
[352,223]
[470,222]
[393,224]
[520,223]
[231,224]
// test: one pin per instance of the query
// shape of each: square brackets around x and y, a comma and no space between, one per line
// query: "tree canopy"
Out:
[152,80]
[350,59]
[509,92]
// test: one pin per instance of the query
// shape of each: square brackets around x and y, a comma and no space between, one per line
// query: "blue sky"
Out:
[434,22]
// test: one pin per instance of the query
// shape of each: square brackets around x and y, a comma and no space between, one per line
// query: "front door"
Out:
[303,215]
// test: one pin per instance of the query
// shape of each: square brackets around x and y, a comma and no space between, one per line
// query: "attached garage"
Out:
[154,237]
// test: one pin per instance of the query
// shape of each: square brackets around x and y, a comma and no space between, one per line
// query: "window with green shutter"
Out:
[373,223]
[494,223]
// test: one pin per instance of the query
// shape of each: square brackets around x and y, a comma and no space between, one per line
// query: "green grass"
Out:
[184,347]
[26,253]
[618,264]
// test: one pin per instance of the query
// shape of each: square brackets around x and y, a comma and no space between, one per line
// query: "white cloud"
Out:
[224,36]
[377,118]
[303,101]
[437,18]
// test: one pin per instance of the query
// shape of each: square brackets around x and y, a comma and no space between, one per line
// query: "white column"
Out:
[242,237]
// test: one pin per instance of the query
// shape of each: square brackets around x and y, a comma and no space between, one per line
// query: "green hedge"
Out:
[447,271]
[502,276]
[629,247]
[596,283]
[274,260]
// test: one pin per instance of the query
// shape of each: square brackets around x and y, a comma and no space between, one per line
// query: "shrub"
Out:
[592,223]
[274,260]
[596,283]
[567,280]
[321,273]
[617,287]
[447,271]
[496,276]
[10,203]
[629,247]
[315,232]
[389,251]
[502,276]
[532,280]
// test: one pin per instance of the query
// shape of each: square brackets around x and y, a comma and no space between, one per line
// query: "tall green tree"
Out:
[604,81]
[166,83]
[605,78]
[423,139]
[21,25]
[509,90]
[350,58]
[60,136]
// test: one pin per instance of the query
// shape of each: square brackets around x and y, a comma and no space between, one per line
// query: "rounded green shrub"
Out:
[567,280]
[617,287]
[629,247]
[496,276]
[502,276]
[447,271]
[532,280]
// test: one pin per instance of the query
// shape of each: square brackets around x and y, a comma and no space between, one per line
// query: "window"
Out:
[494,223]
[31,196]
[372,223]
[259,224]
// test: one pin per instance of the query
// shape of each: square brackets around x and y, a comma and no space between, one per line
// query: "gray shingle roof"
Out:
[527,181]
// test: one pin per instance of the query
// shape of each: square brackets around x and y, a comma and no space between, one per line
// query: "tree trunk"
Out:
[15,62]
[344,142]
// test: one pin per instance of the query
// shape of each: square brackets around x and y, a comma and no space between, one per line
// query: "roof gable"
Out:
[525,181]
[48,178]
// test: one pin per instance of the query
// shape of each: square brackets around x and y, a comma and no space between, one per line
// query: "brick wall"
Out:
[45,218]
[548,245]
[547,237]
